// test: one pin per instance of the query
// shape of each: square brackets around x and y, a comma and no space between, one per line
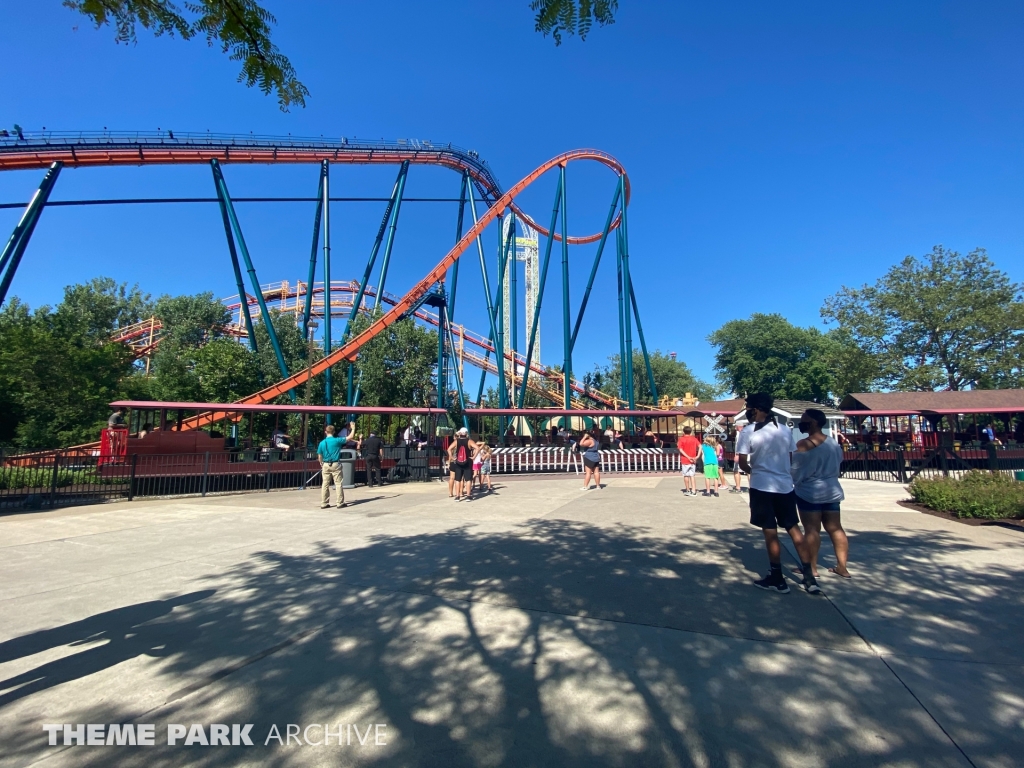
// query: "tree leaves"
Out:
[240,27]
[572,16]
[945,321]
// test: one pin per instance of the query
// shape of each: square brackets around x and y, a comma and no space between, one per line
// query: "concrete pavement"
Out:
[539,626]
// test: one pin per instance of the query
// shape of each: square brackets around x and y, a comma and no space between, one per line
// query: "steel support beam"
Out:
[566,342]
[18,242]
[627,288]
[499,357]
[455,368]
[454,272]
[593,269]
[326,205]
[621,305]
[391,237]
[308,308]
[540,291]
[222,191]
[643,347]
[358,300]
[243,296]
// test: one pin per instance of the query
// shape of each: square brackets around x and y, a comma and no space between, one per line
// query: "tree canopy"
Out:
[240,27]
[672,377]
[575,17]
[944,321]
[767,353]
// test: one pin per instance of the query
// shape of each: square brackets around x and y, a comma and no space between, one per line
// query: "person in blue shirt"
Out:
[329,454]
[712,477]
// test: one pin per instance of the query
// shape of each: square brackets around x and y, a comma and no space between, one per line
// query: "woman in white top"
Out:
[815,470]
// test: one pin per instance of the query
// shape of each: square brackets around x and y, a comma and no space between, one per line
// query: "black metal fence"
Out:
[64,478]
[899,465]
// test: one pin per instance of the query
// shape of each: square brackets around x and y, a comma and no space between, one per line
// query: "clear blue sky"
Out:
[776,151]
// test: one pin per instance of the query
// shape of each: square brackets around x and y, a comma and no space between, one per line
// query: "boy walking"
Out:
[689,447]
[329,454]
[766,458]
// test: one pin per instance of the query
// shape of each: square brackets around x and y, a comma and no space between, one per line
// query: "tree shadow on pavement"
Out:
[559,644]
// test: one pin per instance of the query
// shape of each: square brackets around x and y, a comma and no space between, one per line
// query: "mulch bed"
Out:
[1005,522]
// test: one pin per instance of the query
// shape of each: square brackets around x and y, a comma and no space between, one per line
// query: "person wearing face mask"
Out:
[815,473]
[765,457]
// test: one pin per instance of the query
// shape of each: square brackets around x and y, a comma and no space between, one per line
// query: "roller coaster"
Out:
[431,300]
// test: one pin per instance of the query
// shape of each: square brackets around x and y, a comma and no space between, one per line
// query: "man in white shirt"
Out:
[765,455]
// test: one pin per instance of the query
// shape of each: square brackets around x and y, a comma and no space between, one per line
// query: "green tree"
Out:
[944,321]
[96,308]
[672,377]
[240,27]
[575,17]
[396,367]
[189,321]
[58,377]
[767,353]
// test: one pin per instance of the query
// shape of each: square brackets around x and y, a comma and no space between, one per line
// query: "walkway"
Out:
[541,626]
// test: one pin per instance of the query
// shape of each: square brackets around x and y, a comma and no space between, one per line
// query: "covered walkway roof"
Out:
[935,403]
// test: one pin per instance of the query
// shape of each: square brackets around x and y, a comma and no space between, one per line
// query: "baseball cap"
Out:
[463,431]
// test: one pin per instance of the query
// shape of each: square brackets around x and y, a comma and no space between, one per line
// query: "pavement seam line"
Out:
[892,671]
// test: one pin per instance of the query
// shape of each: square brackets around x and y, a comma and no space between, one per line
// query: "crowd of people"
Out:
[793,487]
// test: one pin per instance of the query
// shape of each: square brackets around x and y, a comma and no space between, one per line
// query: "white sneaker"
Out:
[585,488]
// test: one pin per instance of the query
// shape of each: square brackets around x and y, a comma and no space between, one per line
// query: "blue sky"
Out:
[776,151]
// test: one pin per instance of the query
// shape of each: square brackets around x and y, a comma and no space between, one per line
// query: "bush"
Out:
[977,494]
[12,478]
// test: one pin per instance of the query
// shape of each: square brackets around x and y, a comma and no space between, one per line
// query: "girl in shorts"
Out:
[711,473]
[484,472]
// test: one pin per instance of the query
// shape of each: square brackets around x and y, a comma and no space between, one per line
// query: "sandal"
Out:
[834,572]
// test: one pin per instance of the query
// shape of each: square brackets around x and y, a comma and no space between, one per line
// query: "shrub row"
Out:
[977,494]
[24,477]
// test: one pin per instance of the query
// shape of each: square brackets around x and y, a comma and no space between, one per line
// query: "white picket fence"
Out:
[547,459]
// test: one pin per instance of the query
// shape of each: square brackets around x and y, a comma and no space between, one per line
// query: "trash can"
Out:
[1020,476]
[348,467]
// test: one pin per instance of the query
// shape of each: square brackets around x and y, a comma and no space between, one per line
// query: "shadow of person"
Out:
[119,635]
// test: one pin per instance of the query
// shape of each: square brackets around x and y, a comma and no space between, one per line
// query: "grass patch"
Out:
[977,494]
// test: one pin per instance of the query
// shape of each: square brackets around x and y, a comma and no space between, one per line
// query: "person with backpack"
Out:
[464,450]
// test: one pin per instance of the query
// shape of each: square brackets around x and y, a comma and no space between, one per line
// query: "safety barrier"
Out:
[554,459]
[899,465]
[65,478]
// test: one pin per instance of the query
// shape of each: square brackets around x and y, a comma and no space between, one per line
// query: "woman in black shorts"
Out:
[463,463]
[591,460]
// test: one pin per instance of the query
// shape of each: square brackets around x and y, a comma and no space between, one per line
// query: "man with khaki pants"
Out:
[329,454]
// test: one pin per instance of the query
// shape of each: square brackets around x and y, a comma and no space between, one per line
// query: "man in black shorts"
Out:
[765,456]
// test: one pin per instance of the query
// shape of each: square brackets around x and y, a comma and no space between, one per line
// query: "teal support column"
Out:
[308,308]
[566,335]
[225,197]
[391,237]
[513,311]
[442,357]
[455,369]
[643,347]
[627,288]
[499,358]
[622,327]
[454,272]
[540,292]
[18,242]
[243,297]
[593,269]
[325,201]
[358,300]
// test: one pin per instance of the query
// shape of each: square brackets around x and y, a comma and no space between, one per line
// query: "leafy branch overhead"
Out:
[575,17]
[240,27]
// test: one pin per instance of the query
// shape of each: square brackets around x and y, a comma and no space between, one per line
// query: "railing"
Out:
[556,459]
[65,478]
[899,465]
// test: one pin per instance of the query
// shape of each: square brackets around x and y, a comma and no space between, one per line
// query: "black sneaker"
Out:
[811,585]
[773,583]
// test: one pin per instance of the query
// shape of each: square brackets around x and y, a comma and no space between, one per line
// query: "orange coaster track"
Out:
[91,150]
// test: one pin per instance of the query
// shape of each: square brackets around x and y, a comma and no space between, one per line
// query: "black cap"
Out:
[762,401]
